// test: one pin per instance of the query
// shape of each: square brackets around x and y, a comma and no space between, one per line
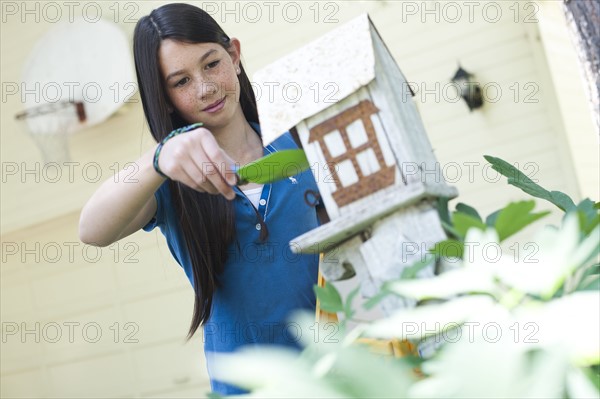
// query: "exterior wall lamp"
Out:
[468,88]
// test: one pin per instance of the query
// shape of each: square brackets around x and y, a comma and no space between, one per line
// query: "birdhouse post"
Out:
[352,112]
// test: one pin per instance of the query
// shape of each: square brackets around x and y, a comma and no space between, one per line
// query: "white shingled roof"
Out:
[342,58]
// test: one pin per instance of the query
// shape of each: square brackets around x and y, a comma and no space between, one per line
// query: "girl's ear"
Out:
[235,53]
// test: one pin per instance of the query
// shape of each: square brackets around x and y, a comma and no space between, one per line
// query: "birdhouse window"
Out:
[349,142]
[367,160]
[346,173]
[335,143]
[357,134]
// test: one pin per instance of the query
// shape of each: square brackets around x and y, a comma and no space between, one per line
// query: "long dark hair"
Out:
[207,221]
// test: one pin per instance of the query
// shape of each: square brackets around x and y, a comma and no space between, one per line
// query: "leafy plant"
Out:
[545,314]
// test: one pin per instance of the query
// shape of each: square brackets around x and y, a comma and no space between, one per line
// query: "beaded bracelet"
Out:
[170,136]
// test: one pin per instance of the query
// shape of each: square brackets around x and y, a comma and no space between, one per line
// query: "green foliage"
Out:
[348,311]
[591,284]
[448,249]
[490,220]
[377,298]
[330,298]
[358,374]
[462,222]
[547,308]
[520,180]
[467,210]
[588,215]
[515,217]
[412,270]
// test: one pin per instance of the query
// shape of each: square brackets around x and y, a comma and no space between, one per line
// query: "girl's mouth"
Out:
[215,107]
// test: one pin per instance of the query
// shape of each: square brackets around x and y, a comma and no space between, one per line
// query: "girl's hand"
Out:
[196,160]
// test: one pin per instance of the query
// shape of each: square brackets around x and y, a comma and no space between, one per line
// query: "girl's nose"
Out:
[207,89]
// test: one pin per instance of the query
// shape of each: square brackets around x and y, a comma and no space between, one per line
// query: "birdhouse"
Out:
[350,108]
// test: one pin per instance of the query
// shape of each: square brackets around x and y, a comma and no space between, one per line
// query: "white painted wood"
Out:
[394,243]
[317,159]
[337,264]
[389,155]
[309,67]
[405,130]
[364,214]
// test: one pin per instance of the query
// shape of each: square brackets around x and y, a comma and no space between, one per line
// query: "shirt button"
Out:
[262,201]
[258,226]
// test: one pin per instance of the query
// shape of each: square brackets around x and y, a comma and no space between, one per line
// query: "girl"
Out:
[232,242]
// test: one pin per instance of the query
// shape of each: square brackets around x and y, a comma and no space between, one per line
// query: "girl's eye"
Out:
[213,64]
[181,82]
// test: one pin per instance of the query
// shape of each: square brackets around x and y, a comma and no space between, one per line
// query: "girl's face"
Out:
[201,80]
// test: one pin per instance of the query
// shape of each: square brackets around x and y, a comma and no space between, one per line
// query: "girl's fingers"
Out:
[189,176]
[222,162]
[214,165]
[197,160]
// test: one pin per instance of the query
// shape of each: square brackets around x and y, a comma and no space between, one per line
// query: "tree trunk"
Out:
[583,17]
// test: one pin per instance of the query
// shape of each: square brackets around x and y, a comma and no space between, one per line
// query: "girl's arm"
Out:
[118,209]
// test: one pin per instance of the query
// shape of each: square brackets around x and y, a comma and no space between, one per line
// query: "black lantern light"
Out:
[469,90]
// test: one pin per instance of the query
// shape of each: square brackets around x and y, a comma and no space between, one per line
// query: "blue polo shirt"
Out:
[263,281]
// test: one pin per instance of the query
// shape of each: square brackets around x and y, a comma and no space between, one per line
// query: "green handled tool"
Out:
[273,167]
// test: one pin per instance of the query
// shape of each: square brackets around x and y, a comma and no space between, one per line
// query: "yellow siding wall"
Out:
[571,103]
[149,290]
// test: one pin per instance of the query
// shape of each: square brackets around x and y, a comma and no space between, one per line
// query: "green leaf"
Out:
[442,206]
[562,200]
[464,208]
[273,167]
[348,312]
[589,275]
[463,222]
[448,248]
[591,284]
[329,297]
[515,216]
[589,217]
[520,180]
[374,301]
[358,373]
[451,231]
[593,375]
[587,207]
[412,270]
[491,219]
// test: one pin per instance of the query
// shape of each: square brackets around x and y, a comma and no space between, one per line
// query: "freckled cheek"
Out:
[185,102]
[230,83]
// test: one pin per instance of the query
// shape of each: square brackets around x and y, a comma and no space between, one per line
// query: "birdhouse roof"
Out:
[314,77]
